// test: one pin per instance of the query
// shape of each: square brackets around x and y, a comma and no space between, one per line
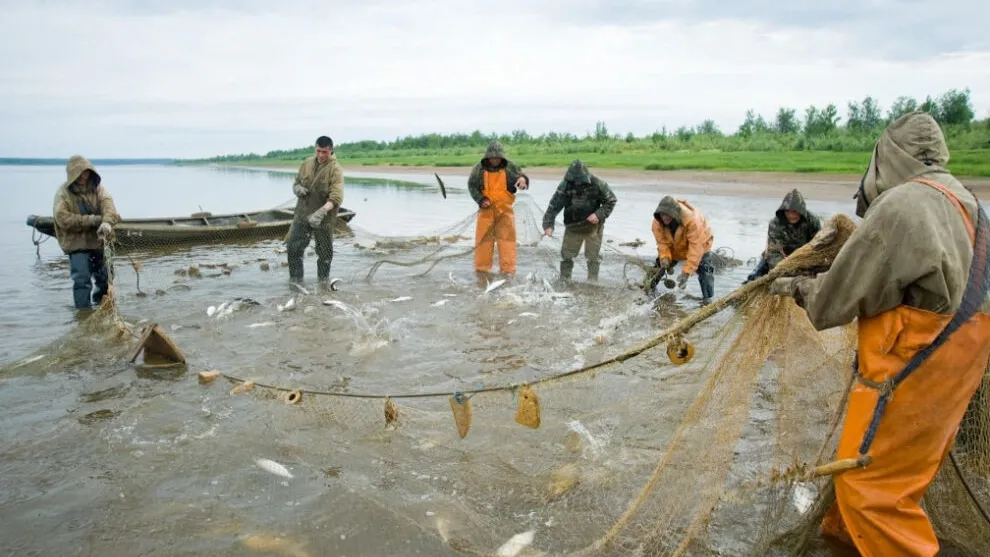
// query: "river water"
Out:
[98,457]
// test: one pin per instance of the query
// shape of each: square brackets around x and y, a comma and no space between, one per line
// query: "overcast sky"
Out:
[192,78]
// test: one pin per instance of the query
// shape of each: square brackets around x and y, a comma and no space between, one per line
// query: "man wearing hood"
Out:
[586,201]
[84,215]
[914,275]
[319,185]
[683,234]
[493,183]
[792,227]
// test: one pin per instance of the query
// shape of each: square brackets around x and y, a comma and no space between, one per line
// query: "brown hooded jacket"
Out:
[80,210]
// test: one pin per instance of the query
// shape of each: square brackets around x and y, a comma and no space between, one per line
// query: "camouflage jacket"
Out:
[580,194]
[476,180]
[783,237]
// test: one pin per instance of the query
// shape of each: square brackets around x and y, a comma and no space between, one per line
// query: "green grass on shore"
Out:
[963,163]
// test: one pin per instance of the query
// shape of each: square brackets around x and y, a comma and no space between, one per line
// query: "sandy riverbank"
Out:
[823,187]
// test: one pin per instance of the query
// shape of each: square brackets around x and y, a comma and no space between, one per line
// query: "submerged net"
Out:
[667,433]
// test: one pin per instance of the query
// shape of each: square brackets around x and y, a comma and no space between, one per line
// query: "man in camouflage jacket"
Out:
[319,187]
[792,227]
[586,201]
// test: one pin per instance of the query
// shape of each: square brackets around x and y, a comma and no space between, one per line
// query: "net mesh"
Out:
[585,441]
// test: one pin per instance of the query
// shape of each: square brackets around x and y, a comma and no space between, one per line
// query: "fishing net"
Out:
[534,420]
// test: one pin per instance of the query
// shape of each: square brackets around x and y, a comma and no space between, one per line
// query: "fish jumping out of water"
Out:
[273,467]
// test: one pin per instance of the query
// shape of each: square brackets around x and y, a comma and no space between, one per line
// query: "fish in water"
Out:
[210,311]
[262,324]
[402,299]
[334,283]
[288,306]
[439,303]
[516,544]
[274,544]
[273,467]
[494,285]
[803,497]
[529,314]
[300,288]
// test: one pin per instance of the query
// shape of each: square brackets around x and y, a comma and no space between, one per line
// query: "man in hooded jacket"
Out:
[792,227]
[918,259]
[492,184]
[319,185]
[682,234]
[84,215]
[587,201]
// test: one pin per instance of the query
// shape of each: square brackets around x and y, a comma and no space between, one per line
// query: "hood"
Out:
[911,146]
[793,201]
[495,149]
[75,167]
[668,206]
[578,173]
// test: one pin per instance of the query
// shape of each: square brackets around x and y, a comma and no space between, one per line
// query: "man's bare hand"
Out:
[521,183]
[593,218]
[548,231]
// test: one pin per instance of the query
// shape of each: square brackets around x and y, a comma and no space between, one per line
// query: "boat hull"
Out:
[202,228]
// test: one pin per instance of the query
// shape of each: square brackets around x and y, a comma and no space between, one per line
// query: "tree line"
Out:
[816,129]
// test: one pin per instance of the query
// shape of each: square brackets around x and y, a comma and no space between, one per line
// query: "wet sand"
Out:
[820,187]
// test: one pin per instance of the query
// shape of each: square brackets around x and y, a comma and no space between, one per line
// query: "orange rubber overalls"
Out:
[877,507]
[497,223]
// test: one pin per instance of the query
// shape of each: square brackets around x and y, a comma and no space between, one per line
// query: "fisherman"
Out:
[683,234]
[587,201]
[792,227]
[319,185]
[493,183]
[903,275]
[85,215]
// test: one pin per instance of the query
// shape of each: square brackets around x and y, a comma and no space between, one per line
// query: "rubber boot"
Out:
[593,271]
[566,267]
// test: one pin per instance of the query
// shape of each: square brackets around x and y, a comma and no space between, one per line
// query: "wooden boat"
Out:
[198,228]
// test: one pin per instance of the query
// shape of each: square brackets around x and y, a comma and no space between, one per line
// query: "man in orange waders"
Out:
[915,275]
[493,184]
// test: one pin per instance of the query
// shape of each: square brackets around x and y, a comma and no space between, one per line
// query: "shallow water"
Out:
[97,457]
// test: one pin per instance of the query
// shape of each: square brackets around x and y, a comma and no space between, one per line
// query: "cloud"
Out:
[186,78]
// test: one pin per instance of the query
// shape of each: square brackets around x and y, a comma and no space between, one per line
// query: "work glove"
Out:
[299,190]
[104,230]
[662,264]
[682,280]
[316,219]
[94,220]
[782,286]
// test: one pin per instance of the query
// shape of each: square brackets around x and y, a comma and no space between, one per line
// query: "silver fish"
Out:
[273,467]
[516,544]
[494,285]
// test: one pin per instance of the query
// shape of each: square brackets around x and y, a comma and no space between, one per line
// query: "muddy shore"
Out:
[822,187]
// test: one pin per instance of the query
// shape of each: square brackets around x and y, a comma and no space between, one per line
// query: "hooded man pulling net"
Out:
[682,234]
[792,227]
[915,276]
[84,215]
[586,201]
[493,183]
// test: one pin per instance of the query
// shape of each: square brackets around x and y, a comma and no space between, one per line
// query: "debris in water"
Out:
[273,467]
[402,299]
[206,377]
[494,285]
[99,416]
[265,266]
[391,412]
[563,480]
[293,397]
[572,441]
[516,544]
[288,306]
